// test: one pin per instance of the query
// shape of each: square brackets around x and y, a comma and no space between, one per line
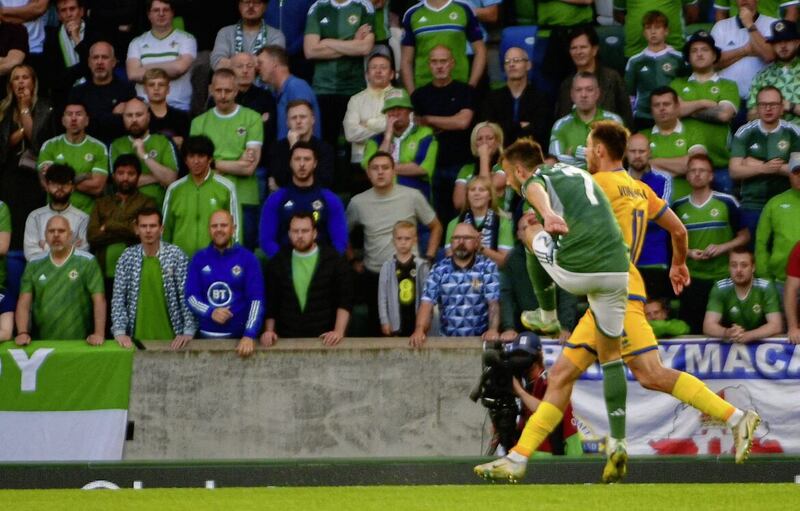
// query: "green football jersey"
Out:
[232,134]
[785,78]
[714,222]
[5,226]
[749,312]
[454,25]
[647,71]
[594,243]
[765,7]
[331,19]
[717,135]
[160,149]
[568,136]
[635,11]
[751,140]
[688,135]
[62,295]
[90,155]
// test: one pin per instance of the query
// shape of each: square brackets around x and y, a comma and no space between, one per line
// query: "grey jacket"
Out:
[388,302]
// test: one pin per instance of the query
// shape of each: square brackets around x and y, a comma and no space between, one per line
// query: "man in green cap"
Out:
[414,148]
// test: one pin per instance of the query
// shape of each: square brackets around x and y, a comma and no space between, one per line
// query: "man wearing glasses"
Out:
[760,152]
[518,107]
[466,287]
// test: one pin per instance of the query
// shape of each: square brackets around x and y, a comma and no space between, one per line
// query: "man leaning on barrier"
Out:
[149,281]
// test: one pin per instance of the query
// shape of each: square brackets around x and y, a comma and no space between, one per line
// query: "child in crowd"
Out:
[655,66]
[401,283]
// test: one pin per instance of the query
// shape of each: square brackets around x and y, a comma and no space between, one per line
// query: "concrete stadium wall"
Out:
[366,397]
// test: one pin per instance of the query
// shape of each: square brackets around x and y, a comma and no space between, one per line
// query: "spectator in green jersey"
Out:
[447,23]
[159,163]
[742,308]
[760,151]
[714,225]
[784,73]
[568,136]
[84,153]
[61,296]
[778,229]
[338,36]
[672,139]
[711,100]
[655,66]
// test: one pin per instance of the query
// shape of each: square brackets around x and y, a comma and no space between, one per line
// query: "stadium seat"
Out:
[525,37]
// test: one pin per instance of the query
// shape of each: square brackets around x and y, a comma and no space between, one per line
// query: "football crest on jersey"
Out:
[352,19]
[236,270]
[88,157]
[453,16]
[317,204]
[153,153]
[666,67]
[241,131]
[714,212]
[757,308]
[680,142]
[715,90]
[73,275]
[783,145]
[476,283]
[412,146]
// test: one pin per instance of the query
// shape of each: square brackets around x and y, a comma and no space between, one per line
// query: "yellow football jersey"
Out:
[634,204]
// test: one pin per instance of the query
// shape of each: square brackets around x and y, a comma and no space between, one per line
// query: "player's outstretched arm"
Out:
[678,272]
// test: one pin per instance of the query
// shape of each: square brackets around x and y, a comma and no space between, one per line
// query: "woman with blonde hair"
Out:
[481,211]
[26,122]
[486,142]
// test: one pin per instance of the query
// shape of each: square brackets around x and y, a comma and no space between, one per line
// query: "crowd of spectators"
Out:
[262,170]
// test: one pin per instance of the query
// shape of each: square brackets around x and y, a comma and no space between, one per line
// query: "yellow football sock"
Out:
[694,392]
[541,424]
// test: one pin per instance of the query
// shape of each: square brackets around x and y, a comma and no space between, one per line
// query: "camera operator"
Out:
[512,385]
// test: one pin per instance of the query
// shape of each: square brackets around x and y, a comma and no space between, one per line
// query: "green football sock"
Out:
[543,285]
[615,391]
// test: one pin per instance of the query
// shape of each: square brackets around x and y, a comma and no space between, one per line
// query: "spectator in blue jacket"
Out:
[303,194]
[225,287]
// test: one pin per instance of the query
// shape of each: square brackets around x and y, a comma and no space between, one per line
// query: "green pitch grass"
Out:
[633,497]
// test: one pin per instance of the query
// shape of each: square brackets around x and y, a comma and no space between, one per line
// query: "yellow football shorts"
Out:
[637,338]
